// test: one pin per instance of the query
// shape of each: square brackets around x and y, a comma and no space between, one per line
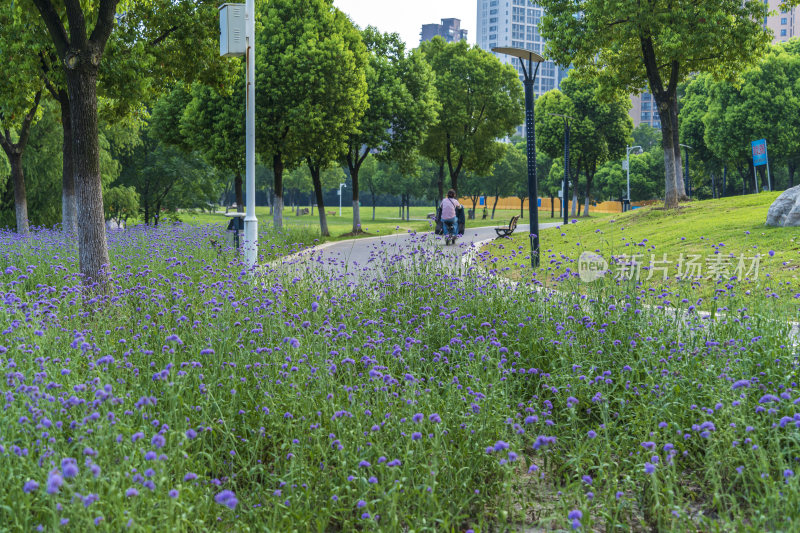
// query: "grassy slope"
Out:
[731,225]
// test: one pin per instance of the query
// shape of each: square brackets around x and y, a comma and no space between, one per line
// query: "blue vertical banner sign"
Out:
[759,152]
[760,158]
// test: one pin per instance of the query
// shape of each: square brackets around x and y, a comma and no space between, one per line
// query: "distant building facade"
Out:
[785,23]
[515,23]
[450,30]
[644,110]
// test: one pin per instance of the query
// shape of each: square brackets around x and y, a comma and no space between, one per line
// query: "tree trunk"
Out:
[323,219]
[588,193]
[69,209]
[20,198]
[455,171]
[277,213]
[680,179]
[522,207]
[574,211]
[92,245]
[237,184]
[672,193]
[354,162]
[440,183]
[724,179]
[791,174]
[666,99]
[552,207]
[372,193]
[14,152]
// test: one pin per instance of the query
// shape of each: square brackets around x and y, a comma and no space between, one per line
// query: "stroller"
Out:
[461,222]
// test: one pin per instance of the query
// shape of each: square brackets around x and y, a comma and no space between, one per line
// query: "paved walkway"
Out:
[370,257]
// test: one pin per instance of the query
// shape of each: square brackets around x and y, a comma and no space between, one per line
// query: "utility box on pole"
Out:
[232,30]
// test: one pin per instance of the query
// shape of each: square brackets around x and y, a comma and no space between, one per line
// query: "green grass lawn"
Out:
[718,233]
[387,220]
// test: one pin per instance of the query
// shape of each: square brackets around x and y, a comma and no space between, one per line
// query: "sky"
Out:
[406,17]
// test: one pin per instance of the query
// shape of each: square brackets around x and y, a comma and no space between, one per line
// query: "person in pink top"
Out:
[449,218]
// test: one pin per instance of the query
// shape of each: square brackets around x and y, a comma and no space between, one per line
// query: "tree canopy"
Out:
[481,101]
[657,44]
[402,106]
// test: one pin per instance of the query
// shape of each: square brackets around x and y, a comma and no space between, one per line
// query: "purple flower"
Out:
[500,445]
[361,504]
[173,493]
[767,398]
[435,418]
[30,486]
[364,464]
[190,476]
[54,482]
[227,498]
[649,468]
[416,435]
[741,383]
[591,434]
[418,417]
[575,514]
[191,434]
[131,492]
[394,462]
[587,479]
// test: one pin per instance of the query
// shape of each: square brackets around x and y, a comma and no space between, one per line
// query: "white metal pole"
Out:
[769,179]
[250,220]
[628,164]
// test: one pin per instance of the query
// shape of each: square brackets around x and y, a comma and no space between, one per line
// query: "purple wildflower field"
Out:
[194,395]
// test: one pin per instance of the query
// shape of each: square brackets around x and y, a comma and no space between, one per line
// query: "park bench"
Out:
[505,231]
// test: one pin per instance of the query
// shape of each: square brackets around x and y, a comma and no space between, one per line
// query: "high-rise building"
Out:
[515,23]
[449,29]
[785,23]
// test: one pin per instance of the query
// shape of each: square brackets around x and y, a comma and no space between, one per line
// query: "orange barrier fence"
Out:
[544,204]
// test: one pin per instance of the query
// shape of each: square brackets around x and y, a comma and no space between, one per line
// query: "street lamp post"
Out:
[565,185]
[340,196]
[628,149]
[232,22]
[686,181]
[529,77]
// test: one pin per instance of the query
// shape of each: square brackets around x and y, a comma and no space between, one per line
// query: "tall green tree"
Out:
[21,88]
[656,44]
[550,136]
[310,88]
[402,106]
[172,37]
[603,127]
[481,102]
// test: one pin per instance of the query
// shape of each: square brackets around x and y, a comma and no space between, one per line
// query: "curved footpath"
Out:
[359,258]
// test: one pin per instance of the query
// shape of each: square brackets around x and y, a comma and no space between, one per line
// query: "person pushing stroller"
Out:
[450,217]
